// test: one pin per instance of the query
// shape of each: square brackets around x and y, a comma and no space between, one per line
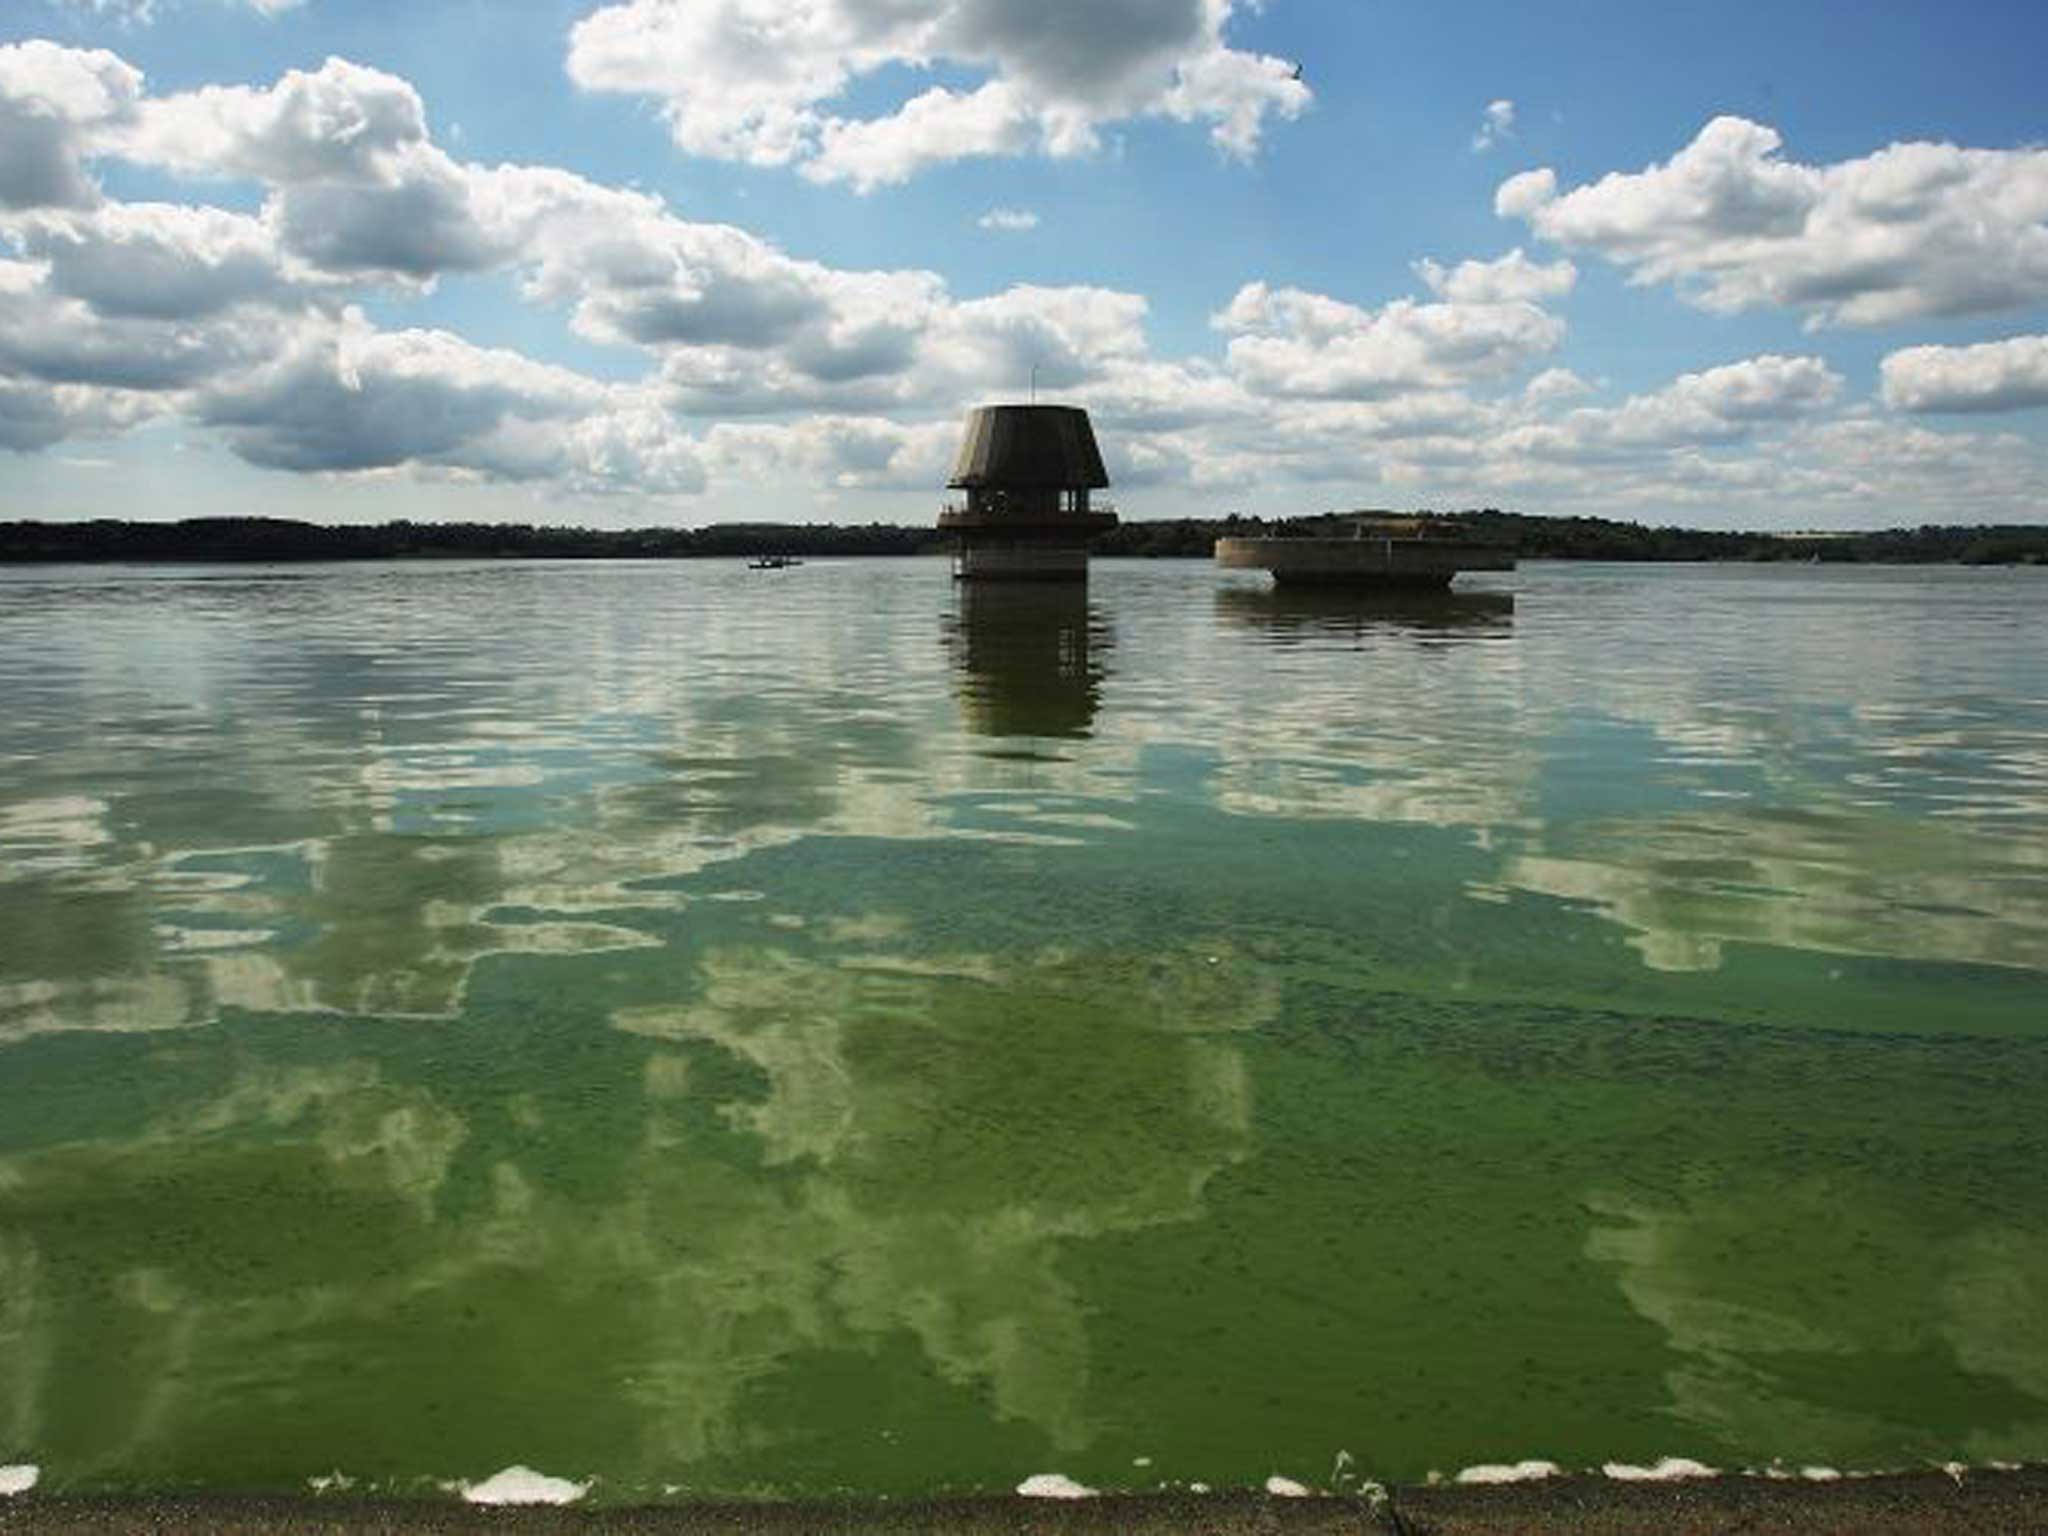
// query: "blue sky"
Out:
[626,261]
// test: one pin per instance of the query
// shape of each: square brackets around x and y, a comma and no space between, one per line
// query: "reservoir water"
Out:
[694,1030]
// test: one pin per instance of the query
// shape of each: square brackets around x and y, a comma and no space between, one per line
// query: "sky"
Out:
[653,262]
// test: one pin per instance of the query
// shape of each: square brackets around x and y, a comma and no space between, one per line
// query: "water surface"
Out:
[827,1030]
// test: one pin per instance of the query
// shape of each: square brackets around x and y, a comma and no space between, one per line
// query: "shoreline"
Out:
[1930,1501]
[259,540]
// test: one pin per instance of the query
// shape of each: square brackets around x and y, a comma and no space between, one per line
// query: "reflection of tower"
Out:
[1027,471]
[1029,659]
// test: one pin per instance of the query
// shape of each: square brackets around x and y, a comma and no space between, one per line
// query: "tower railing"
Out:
[954,512]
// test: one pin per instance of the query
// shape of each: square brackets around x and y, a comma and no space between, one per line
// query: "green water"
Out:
[693,1030]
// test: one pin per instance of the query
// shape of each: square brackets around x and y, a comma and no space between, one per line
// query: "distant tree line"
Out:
[1537,538]
[277,539]
[1599,538]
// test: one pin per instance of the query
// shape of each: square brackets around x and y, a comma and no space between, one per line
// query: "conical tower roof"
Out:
[1029,447]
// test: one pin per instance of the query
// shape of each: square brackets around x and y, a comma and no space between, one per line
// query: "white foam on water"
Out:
[186,940]
[1053,1485]
[1198,1487]
[1510,1472]
[523,1485]
[1668,1469]
[1820,1474]
[1285,1487]
[15,1480]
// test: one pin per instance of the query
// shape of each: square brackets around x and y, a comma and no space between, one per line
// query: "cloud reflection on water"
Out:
[701,1148]
[435,768]
[924,1136]
[1841,883]
[1750,1289]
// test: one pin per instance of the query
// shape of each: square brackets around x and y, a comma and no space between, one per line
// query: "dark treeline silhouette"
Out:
[1536,538]
[1599,538]
[269,538]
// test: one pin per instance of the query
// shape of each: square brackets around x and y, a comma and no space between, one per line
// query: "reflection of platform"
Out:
[1303,612]
[1029,658]
[1368,561]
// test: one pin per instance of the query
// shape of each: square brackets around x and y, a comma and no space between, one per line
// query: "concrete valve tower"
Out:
[1027,471]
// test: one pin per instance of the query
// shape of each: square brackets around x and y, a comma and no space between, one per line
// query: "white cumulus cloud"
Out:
[1495,124]
[1521,195]
[1288,342]
[57,105]
[1505,280]
[1008,218]
[339,122]
[143,12]
[759,80]
[1554,385]
[1715,406]
[1913,230]
[159,261]
[2008,375]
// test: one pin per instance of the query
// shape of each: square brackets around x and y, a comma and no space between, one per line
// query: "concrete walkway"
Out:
[1981,1503]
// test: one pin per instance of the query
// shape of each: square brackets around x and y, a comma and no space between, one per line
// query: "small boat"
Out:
[772,562]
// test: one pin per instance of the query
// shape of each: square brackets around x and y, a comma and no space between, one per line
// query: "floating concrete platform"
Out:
[1370,562]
